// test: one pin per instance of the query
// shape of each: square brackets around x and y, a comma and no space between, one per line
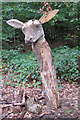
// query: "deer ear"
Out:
[45,18]
[15,23]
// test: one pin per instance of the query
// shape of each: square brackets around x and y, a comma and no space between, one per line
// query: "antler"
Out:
[45,18]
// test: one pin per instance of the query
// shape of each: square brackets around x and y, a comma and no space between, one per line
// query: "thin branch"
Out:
[38,116]
[23,100]
[12,104]
[29,74]
[6,114]
[4,106]
[23,113]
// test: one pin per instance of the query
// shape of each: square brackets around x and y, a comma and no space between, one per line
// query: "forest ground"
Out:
[69,94]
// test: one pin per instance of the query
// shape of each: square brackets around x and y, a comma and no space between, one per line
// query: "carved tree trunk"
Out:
[42,51]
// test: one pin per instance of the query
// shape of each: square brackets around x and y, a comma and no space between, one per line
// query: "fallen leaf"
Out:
[71,114]
[68,111]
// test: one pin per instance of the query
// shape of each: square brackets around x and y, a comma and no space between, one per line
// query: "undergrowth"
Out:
[17,66]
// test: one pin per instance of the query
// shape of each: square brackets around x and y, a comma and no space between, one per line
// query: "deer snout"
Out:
[28,39]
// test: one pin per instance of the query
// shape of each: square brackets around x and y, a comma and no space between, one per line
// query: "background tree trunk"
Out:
[48,74]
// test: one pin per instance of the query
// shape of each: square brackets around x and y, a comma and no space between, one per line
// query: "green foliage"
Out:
[68,111]
[63,27]
[65,61]
[22,11]
[20,65]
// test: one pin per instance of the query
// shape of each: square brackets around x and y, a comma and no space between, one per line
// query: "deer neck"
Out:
[40,41]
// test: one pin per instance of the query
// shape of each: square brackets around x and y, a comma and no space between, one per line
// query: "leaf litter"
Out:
[69,94]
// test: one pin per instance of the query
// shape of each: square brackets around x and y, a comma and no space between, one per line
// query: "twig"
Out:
[41,115]
[23,100]
[6,114]
[23,113]
[29,74]
[4,106]
[41,97]
[18,104]
[5,103]
[38,116]
[12,104]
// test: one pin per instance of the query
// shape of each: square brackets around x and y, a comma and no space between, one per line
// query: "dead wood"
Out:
[43,53]
[23,99]
[10,105]
[4,106]
[3,116]
[38,116]
[23,113]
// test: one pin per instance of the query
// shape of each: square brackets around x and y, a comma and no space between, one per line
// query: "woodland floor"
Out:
[69,94]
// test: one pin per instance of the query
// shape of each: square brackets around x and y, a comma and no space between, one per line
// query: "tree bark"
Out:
[43,53]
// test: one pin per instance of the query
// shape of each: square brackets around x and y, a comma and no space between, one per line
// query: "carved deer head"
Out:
[32,29]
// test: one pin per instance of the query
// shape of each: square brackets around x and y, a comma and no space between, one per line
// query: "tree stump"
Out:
[43,53]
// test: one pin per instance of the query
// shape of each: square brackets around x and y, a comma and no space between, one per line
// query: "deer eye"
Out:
[23,29]
[37,26]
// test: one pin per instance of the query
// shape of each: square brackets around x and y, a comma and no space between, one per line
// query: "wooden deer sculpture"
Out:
[34,34]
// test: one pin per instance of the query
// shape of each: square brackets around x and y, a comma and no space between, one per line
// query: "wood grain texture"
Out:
[48,74]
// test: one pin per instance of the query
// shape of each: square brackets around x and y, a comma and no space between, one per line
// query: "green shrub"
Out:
[20,65]
[65,61]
